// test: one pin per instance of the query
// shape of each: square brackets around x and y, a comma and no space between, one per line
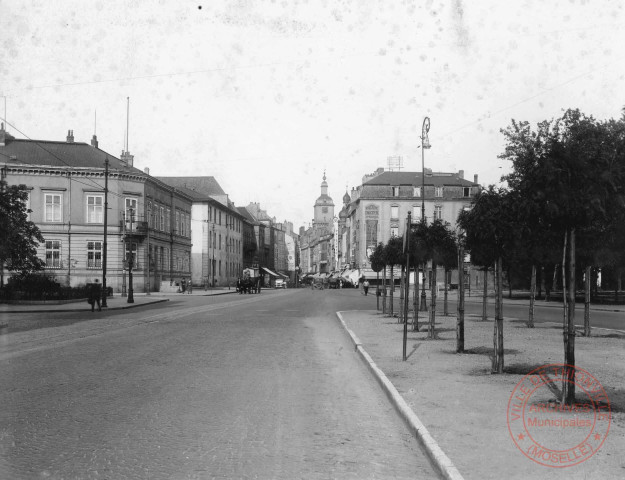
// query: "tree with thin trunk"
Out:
[394,255]
[377,264]
[489,231]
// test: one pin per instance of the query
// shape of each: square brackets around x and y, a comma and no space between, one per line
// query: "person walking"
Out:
[95,293]
[365,286]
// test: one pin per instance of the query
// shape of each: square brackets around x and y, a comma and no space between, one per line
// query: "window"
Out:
[395,212]
[466,191]
[161,220]
[131,210]
[438,212]
[53,207]
[324,209]
[394,231]
[132,259]
[177,222]
[438,191]
[95,209]
[416,213]
[395,191]
[53,254]
[94,254]
[371,233]
[416,191]
[167,227]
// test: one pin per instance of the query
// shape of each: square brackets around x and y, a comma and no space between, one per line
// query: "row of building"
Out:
[167,229]
[374,212]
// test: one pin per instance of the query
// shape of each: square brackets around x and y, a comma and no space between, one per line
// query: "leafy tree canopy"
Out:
[19,237]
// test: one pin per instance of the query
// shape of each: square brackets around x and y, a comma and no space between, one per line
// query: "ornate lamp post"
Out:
[425,143]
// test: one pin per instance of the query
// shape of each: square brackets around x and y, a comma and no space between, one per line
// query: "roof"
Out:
[415,179]
[204,186]
[324,199]
[244,212]
[58,154]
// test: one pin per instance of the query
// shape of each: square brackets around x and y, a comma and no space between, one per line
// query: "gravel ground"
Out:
[466,408]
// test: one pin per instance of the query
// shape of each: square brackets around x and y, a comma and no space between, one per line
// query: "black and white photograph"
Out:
[312,239]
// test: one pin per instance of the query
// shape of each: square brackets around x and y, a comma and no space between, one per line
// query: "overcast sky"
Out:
[265,95]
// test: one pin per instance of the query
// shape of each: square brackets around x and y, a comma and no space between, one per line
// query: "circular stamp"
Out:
[553,434]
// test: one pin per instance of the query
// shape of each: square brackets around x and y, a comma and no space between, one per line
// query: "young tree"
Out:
[19,237]
[377,264]
[489,231]
[394,255]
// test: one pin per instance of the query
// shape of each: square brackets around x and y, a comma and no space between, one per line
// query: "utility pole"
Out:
[106,209]
[131,259]
[147,247]
[425,143]
[406,280]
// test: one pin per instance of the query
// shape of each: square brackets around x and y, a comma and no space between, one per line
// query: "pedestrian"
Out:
[183,285]
[365,286]
[189,287]
[95,293]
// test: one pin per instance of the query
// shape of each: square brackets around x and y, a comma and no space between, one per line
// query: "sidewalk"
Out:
[116,302]
[465,407]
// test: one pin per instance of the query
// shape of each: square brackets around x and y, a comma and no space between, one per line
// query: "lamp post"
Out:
[105,245]
[425,143]
[131,259]
[213,264]
[147,292]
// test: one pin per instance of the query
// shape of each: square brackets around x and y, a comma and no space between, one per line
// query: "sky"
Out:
[266,96]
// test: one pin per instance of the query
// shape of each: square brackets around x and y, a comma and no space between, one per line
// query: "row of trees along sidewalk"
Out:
[564,205]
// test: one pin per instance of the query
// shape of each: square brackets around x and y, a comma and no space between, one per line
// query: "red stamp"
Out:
[558,435]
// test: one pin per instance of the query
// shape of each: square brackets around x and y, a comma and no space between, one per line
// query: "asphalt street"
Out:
[240,386]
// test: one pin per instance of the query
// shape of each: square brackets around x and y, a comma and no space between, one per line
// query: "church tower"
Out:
[324,208]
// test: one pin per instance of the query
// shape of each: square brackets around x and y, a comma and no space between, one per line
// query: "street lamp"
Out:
[131,258]
[425,143]
[147,292]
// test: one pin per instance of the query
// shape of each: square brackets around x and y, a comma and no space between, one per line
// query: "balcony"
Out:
[137,228]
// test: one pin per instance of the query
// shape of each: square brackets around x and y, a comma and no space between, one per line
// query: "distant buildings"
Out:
[168,229]
[377,209]
[317,242]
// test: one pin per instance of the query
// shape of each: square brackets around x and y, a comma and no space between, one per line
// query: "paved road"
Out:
[256,386]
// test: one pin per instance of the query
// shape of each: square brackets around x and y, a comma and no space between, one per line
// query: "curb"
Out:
[433,450]
[108,309]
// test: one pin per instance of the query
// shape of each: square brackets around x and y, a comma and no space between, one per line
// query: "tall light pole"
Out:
[105,246]
[425,143]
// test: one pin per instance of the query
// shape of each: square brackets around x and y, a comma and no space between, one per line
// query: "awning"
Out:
[283,275]
[266,270]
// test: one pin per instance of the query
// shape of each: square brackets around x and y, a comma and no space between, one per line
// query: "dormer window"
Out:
[466,192]
[395,191]
[438,191]
[416,191]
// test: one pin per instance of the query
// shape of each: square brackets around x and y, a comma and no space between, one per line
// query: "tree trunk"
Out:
[485,296]
[377,290]
[587,284]
[431,331]
[460,317]
[530,322]
[554,285]
[424,304]
[539,282]
[384,291]
[391,291]
[509,284]
[445,307]
[498,331]
[568,385]
[415,300]
[400,317]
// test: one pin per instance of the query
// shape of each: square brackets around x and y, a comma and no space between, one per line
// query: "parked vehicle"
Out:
[280,283]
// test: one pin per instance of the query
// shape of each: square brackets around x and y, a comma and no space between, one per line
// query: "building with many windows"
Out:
[217,229]
[377,210]
[317,242]
[147,224]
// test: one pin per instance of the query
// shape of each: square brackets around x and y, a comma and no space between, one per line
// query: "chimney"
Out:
[146,170]
[461,174]
[126,159]
[94,142]
[475,178]
[70,136]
